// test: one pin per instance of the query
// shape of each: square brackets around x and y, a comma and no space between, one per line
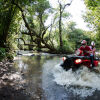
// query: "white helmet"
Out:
[92,43]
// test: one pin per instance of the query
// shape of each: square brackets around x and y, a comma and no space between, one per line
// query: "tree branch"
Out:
[68,4]
[24,42]
[26,24]
[44,32]
[32,32]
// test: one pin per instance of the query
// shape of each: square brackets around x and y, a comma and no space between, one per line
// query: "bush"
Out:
[9,56]
[2,53]
[68,47]
[5,54]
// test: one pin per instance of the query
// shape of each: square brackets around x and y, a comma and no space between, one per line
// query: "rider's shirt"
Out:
[93,50]
[85,50]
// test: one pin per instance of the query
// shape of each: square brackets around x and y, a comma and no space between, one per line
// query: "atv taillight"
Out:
[78,61]
[64,58]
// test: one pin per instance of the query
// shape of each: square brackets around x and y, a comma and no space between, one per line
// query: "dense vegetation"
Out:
[23,26]
[93,18]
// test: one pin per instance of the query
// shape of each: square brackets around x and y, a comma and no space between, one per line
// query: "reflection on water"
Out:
[46,80]
[31,67]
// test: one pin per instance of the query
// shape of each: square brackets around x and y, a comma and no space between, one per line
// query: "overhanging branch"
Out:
[25,42]
[26,24]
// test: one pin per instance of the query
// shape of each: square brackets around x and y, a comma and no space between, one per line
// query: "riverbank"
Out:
[11,83]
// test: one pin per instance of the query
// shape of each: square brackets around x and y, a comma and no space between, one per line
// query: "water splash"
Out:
[83,82]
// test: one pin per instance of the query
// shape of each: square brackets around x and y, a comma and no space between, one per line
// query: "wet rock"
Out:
[11,83]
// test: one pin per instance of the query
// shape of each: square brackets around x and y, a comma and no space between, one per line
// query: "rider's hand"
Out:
[88,51]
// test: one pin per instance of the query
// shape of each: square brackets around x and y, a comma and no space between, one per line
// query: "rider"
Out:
[92,54]
[87,51]
[92,47]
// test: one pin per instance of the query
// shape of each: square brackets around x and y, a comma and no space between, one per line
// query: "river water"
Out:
[46,79]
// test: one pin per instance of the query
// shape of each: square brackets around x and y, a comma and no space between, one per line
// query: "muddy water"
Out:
[46,80]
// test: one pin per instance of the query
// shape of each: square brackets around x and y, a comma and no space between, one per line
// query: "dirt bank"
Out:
[11,83]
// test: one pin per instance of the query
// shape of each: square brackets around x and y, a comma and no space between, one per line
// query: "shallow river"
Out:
[46,80]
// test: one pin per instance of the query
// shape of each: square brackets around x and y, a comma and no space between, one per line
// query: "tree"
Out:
[75,35]
[93,15]
[61,10]
[7,12]
[36,36]
[27,25]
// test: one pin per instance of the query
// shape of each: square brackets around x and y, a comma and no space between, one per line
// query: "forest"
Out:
[23,26]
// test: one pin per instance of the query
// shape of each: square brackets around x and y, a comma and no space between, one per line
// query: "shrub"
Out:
[2,53]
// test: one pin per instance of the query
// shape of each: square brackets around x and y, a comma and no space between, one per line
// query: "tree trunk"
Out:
[33,32]
[60,29]
[5,31]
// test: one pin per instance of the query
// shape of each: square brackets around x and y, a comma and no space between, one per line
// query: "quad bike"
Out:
[75,62]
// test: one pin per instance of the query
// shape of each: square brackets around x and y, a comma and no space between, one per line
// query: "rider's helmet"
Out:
[92,43]
[84,42]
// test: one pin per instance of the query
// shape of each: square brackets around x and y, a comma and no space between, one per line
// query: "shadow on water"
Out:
[38,73]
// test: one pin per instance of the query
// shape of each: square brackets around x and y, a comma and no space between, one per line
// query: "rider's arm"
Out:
[88,50]
[94,50]
[81,51]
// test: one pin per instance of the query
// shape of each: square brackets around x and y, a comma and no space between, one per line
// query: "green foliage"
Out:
[91,4]
[68,47]
[76,35]
[36,14]
[7,12]
[10,55]
[93,16]
[2,53]
[72,37]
